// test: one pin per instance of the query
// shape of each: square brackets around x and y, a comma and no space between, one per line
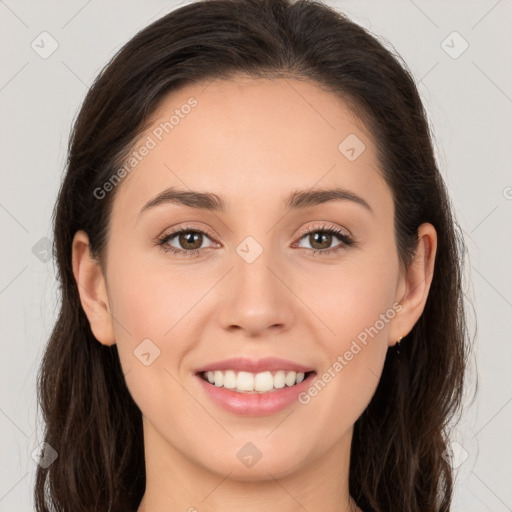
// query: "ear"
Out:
[92,289]
[414,285]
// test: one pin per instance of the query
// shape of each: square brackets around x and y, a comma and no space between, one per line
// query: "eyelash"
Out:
[346,240]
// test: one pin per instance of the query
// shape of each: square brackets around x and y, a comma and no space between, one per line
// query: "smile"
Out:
[244,399]
[247,382]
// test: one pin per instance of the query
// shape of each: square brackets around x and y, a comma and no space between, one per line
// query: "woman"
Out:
[262,304]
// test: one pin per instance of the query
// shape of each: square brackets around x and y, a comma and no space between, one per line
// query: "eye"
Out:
[321,237]
[191,239]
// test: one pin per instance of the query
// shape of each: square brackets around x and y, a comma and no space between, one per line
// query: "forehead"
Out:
[248,139]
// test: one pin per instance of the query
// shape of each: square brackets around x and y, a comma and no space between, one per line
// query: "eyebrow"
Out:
[298,199]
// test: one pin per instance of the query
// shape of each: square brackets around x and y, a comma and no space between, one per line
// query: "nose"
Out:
[259,297]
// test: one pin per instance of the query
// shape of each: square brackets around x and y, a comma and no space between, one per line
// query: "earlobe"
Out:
[415,284]
[92,289]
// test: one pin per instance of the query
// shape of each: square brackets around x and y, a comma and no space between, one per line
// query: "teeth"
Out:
[290,378]
[229,379]
[279,379]
[246,382]
[218,379]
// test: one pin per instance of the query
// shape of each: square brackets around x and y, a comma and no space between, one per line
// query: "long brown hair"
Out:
[398,460]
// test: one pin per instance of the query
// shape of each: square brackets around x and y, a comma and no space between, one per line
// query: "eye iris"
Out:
[188,238]
[320,235]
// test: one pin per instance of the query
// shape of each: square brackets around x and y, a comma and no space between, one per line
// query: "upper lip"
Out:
[245,364]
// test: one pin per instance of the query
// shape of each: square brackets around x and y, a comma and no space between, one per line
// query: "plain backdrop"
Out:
[460,53]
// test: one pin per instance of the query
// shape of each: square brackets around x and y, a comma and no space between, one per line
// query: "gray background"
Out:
[469,101]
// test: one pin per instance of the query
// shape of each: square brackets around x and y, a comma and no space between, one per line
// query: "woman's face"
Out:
[253,287]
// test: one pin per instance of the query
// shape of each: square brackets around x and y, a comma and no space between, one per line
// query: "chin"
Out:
[251,465]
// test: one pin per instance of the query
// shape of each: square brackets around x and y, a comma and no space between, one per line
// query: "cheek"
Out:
[152,310]
[351,297]
[149,308]
[356,306]
[153,301]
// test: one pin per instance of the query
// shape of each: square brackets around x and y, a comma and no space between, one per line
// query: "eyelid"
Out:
[188,227]
[320,225]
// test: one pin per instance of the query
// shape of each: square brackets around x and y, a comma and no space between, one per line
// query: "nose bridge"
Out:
[253,262]
[257,298]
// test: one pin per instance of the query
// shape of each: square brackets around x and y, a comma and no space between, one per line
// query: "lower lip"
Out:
[255,404]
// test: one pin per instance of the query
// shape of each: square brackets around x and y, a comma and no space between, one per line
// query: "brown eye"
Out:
[190,240]
[320,240]
[184,241]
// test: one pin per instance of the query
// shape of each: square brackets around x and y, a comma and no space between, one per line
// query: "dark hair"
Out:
[398,459]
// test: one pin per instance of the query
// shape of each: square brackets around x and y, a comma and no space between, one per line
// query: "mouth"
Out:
[254,383]
[254,387]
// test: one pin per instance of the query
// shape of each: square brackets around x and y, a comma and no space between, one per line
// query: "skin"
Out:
[251,141]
